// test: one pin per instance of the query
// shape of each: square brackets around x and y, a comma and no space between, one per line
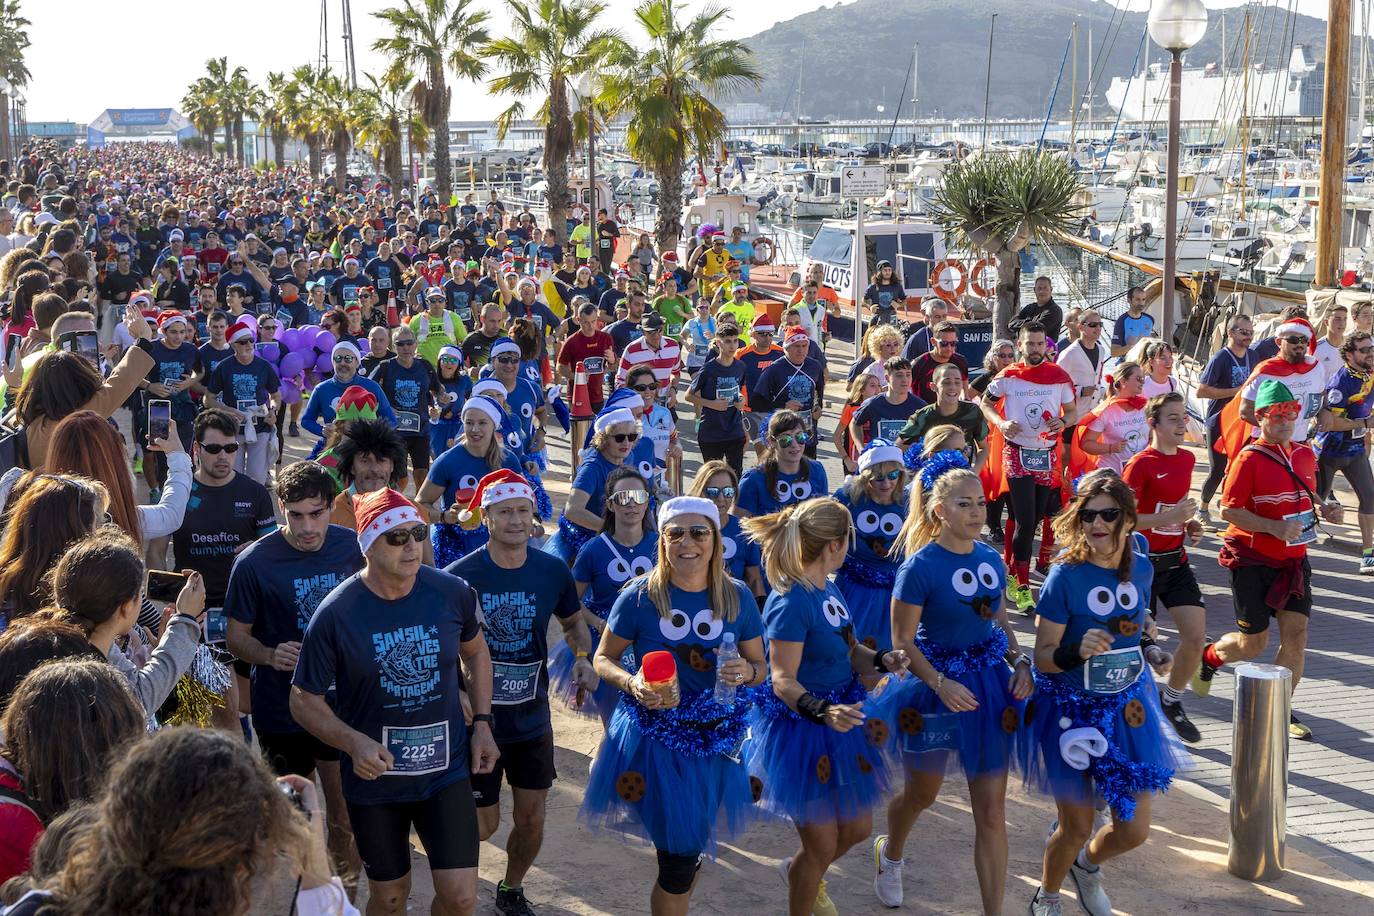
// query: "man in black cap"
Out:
[658,352]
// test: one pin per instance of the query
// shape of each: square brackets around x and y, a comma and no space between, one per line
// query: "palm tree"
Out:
[385,119]
[14,41]
[298,113]
[201,108]
[215,84]
[244,98]
[334,113]
[553,44]
[427,39]
[667,92]
[272,114]
[999,205]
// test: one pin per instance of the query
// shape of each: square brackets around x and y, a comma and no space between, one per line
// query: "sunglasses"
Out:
[1295,339]
[1091,324]
[399,537]
[630,498]
[507,360]
[1088,516]
[344,358]
[893,474]
[622,438]
[405,343]
[215,448]
[786,440]
[720,492]
[944,344]
[1005,355]
[650,386]
[699,533]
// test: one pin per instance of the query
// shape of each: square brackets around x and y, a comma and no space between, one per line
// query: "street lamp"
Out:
[1175,25]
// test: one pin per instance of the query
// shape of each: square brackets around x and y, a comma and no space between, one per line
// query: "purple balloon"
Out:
[324,341]
[292,365]
[290,339]
[290,392]
[325,364]
[270,351]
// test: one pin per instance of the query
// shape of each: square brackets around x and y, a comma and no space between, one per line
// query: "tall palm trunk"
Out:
[238,138]
[391,162]
[279,146]
[314,154]
[1008,291]
[557,149]
[438,104]
[668,226]
[5,151]
[340,162]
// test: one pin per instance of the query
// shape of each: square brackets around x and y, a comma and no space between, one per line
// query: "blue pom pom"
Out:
[937,464]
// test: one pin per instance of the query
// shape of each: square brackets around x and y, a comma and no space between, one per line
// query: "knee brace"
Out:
[677,872]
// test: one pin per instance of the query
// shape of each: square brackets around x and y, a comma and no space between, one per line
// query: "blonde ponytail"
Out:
[922,525]
[793,538]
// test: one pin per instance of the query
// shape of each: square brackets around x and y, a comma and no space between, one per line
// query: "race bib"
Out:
[1036,459]
[417,750]
[674,329]
[1114,671]
[247,408]
[594,364]
[1308,520]
[284,316]
[1167,529]
[407,421]
[464,314]
[888,429]
[701,350]
[605,243]
[939,732]
[727,390]
[216,625]
[384,283]
[514,683]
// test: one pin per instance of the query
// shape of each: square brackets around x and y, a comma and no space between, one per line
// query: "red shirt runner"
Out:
[1160,482]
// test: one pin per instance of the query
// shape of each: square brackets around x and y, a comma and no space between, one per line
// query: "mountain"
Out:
[853,57]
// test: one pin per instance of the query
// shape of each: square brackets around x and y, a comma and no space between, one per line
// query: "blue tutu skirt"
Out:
[602,700]
[809,772]
[1143,753]
[568,540]
[681,786]
[453,542]
[868,595]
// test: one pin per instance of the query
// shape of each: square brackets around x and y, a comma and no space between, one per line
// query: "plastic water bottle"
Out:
[725,693]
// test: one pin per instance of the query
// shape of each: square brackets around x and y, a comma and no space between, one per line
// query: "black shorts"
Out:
[417,449]
[527,765]
[446,823]
[1175,585]
[1250,586]
[294,753]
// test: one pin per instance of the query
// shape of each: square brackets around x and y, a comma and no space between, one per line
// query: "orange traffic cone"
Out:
[581,396]
[393,317]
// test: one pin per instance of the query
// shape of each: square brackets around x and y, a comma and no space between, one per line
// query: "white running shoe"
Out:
[1039,906]
[887,875]
[1091,895]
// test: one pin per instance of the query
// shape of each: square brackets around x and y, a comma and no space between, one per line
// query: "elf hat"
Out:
[379,512]
[497,487]
[356,403]
[1271,393]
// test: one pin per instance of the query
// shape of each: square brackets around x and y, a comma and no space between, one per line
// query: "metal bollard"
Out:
[576,437]
[1259,772]
[674,469]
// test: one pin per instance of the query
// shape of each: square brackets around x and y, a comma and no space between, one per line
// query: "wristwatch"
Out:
[482,717]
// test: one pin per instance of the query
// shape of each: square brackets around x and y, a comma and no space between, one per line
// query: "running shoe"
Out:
[294,430]
[1296,729]
[1187,731]
[1041,905]
[1091,895]
[510,901]
[996,536]
[887,877]
[1367,564]
[1020,595]
[1204,518]
[823,906]
[1202,681]
[138,464]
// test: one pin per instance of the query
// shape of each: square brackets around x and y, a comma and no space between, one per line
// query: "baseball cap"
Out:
[434,292]
[652,321]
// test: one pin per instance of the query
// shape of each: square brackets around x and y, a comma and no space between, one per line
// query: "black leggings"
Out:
[995,510]
[732,453]
[1030,503]
[1216,468]
[676,872]
[1356,471]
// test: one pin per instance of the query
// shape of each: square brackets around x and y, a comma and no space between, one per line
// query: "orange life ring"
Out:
[766,244]
[625,213]
[578,211]
[975,281]
[937,273]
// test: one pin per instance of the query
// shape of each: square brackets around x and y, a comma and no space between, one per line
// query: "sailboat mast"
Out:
[1088,89]
[1244,108]
[1364,68]
[1073,89]
[915,55]
[1335,106]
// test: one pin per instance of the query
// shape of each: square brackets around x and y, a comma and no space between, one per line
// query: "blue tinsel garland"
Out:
[864,574]
[574,535]
[541,497]
[771,705]
[1118,779]
[697,727]
[958,662]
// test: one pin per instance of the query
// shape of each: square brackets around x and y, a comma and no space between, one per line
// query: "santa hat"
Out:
[610,418]
[670,256]
[878,451]
[346,347]
[489,387]
[504,345]
[142,297]
[793,334]
[765,324]
[451,351]
[497,487]
[168,317]
[688,505]
[1298,326]
[350,260]
[484,405]
[241,329]
[380,511]
[356,403]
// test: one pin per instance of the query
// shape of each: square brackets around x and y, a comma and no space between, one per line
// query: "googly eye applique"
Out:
[890,524]
[646,469]
[728,548]
[675,626]
[987,575]
[1127,596]
[467,482]
[801,490]
[836,614]
[965,581]
[527,410]
[618,570]
[1101,600]
[706,626]
[640,566]
[867,521]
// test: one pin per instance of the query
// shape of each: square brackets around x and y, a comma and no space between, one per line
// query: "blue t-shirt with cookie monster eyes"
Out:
[691,632]
[820,621]
[958,594]
[755,497]
[1083,597]
[740,550]
[606,565]
[875,529]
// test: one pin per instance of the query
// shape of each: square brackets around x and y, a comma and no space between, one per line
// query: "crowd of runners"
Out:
[269,657]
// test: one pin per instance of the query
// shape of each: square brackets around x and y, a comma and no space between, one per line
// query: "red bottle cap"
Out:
[659,667]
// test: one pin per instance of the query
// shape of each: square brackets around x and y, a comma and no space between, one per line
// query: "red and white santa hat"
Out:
[1298,326]
[168,317]
[765,324]
[245,327]
[380,511]
[140,299]
[497,487]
